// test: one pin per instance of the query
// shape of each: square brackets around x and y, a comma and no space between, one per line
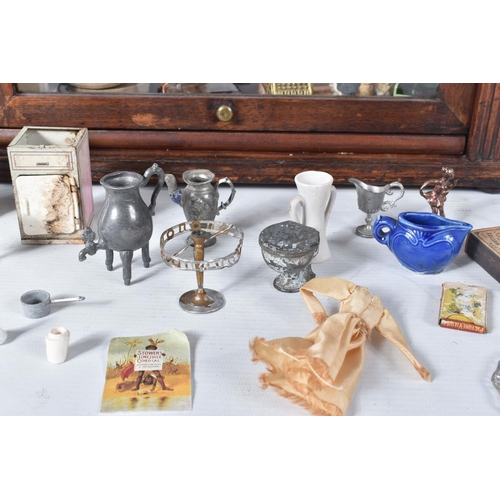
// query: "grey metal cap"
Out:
[289,237]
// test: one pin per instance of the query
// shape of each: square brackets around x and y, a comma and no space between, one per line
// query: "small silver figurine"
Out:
[441,187]
[371,201]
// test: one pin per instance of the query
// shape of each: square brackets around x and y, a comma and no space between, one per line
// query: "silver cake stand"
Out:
[201,300]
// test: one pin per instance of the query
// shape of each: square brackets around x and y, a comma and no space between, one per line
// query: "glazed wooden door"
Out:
[271,138]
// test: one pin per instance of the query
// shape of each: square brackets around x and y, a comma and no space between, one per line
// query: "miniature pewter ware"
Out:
[199,199]
[202,300]
[371,201]
[125,222]
[288,248]
[422,242]
[36,303]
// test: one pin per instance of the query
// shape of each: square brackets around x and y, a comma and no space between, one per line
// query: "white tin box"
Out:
[52,181]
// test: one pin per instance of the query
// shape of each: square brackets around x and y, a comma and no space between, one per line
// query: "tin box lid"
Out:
[47,138]
[290,237]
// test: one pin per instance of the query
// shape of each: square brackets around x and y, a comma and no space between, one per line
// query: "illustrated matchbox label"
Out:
[463,307]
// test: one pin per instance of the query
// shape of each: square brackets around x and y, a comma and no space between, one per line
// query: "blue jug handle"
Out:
[383,227]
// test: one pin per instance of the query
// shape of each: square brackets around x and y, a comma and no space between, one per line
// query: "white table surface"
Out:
[224,379]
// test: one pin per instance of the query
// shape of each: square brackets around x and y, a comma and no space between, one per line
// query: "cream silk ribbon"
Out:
[321,370]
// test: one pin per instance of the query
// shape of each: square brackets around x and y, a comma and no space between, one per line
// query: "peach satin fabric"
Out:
[321,370]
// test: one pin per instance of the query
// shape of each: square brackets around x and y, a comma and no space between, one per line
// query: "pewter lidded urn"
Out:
[288,248]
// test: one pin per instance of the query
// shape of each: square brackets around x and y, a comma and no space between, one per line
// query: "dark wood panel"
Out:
[492,140]
[272,142]
[266,168]
[480,122]
[240,141]
[262,113]
[459,97]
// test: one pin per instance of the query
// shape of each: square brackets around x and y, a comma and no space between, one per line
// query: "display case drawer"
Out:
[45,161]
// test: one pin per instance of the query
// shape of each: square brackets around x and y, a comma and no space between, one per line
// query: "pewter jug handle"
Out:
[154,170]
[298,200]
[225,180]
[383,227]
[390,204]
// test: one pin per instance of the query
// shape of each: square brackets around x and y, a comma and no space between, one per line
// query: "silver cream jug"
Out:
[371,201]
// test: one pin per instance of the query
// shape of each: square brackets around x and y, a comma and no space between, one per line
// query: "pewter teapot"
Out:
[199,199]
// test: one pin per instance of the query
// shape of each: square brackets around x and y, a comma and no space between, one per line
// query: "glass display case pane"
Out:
[89,88]
[417,90]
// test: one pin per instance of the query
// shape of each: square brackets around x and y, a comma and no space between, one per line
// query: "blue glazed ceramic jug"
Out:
[422,242]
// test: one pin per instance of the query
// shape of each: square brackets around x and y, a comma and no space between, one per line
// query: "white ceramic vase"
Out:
[316,198]
[56,344]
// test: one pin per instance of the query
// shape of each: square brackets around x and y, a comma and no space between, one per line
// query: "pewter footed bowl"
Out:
[288,248]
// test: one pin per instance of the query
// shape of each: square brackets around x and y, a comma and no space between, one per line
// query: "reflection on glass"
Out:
[409,90]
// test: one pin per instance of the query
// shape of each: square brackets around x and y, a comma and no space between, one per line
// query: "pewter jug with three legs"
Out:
[125,223]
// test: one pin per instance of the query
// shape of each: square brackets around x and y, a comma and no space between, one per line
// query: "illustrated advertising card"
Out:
[463,307]
[149,373]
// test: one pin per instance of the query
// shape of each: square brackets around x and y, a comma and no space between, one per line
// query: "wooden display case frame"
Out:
[272,138]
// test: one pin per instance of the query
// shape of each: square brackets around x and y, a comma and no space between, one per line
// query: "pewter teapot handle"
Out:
[154,170]
[225,180]
[390,204]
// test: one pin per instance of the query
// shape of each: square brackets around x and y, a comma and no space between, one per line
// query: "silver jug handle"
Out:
[225,180]
[154,170]
[390,204]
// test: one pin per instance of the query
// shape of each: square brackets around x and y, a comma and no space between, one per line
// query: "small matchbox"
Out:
[463,307]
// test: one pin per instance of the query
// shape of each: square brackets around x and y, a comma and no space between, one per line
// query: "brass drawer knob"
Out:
[224,113]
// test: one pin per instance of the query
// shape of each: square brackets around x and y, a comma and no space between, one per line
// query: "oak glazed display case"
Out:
[269,139]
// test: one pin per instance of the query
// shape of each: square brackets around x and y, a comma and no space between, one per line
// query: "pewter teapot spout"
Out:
[174,192]
[199,199]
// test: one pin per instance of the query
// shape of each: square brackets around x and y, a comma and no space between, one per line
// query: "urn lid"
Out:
[290,237]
